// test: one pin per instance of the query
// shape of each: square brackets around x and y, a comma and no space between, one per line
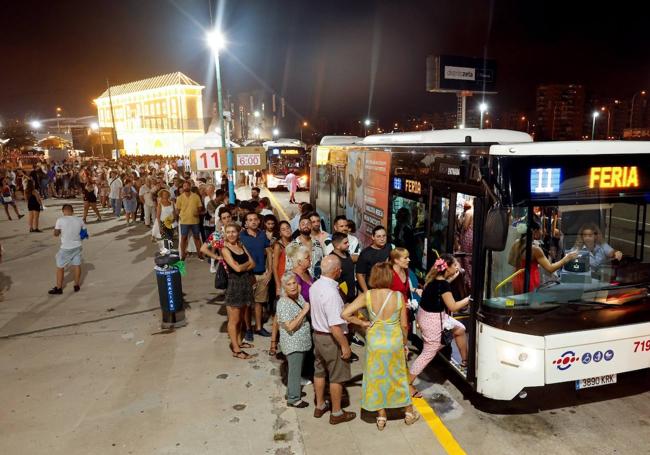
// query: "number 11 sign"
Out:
[207,160]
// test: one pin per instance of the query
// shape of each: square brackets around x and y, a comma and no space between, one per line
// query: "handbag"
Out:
[446,336]
[221,277]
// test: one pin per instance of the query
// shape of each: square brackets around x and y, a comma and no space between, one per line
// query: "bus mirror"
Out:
[496,229]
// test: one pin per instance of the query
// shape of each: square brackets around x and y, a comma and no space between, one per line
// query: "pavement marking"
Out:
[276,203]
[444,436]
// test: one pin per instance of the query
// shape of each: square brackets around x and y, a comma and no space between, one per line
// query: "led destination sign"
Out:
[550,181]
[614,177]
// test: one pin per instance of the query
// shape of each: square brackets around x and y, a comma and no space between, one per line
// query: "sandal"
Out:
[415,393]
[411,417]
[246,345]
[242,355]
[273,351]
[381,423]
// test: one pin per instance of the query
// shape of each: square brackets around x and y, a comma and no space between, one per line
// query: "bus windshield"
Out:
[571,254]
[281,160]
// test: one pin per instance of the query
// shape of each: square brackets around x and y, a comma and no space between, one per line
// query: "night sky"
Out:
[329,58]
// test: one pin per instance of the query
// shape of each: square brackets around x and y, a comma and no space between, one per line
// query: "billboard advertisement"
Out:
[367,195]
[454,73]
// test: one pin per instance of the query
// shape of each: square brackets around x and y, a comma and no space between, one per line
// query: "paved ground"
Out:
[92,373]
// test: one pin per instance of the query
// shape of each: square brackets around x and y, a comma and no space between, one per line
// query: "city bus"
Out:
[284,155]
[494,199]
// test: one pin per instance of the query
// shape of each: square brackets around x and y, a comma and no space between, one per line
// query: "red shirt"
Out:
[401,286]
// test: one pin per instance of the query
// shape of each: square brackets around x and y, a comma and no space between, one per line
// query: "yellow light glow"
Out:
[610,177]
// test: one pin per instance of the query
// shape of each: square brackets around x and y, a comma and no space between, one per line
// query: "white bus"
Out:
[482,194]
[282,156]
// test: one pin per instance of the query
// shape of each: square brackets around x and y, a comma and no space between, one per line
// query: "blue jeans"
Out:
[294,374]
[117,206]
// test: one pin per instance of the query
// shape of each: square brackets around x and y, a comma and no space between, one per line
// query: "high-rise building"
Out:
[161,115]
[560,112]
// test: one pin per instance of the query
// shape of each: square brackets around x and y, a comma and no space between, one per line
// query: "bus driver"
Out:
[590,239]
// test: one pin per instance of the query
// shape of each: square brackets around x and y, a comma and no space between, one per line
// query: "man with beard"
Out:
[378,252]
[257,243]
[189,207]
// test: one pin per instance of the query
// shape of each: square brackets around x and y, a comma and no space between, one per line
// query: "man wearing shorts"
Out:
[331,347]
[257,243]
[68,227]
[189,209]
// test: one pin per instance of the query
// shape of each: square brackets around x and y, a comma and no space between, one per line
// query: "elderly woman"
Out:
[300,257]
[295,335]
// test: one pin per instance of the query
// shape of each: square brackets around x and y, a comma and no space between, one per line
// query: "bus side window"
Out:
[340,190]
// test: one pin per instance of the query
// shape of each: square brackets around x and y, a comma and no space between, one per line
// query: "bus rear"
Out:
[283,156]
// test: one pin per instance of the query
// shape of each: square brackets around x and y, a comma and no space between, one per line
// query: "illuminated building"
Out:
[161,115]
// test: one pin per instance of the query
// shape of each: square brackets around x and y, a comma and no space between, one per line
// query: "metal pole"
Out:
[632,109]
[481,125]
[593,127]
[463,109]
[222,126]
[609,114]
[110,101]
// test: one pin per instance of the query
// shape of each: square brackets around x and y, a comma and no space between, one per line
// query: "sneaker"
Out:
[249,336]
[304,382]
[263,332]
[55,291]
[345,417]
[358,341]
[298,404]
[354,357]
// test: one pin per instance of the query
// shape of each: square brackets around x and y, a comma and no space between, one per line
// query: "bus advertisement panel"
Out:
[367,199]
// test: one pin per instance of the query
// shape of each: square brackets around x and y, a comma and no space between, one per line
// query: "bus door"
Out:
[450,230]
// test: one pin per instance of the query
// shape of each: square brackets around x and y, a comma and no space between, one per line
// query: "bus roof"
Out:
[453,136]
[284,142]
[560,148]
[340,140]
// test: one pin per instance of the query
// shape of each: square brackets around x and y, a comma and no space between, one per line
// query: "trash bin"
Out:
[170,291]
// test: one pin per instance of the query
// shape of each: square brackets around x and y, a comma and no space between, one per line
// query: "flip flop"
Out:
[242,355]
[246,345]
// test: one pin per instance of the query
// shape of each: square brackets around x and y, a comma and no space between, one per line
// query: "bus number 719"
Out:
[642,345]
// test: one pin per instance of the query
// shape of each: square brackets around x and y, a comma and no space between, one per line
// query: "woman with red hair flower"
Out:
[432,315]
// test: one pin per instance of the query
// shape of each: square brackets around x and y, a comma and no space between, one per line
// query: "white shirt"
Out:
[326,305]
[145,193]
[116,188]
[70,227]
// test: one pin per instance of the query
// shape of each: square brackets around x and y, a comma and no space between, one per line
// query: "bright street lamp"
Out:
[303,124]
[35,124]
[276,132]
[256,114]
[217,41]
[482,109]
[593,124]
[94,126]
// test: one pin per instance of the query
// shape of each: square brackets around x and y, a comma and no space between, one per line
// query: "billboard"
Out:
[454,73]
[367,196]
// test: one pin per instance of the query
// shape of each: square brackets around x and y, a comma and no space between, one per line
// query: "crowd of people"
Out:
[320,292]
[317,292]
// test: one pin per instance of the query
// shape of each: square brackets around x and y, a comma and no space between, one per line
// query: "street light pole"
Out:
[642,92]
[482,108]
[593,124]
[216,41]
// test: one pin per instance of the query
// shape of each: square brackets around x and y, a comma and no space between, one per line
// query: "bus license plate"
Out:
[595,381]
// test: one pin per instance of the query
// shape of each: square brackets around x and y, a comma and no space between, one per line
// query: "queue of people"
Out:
[320,292]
